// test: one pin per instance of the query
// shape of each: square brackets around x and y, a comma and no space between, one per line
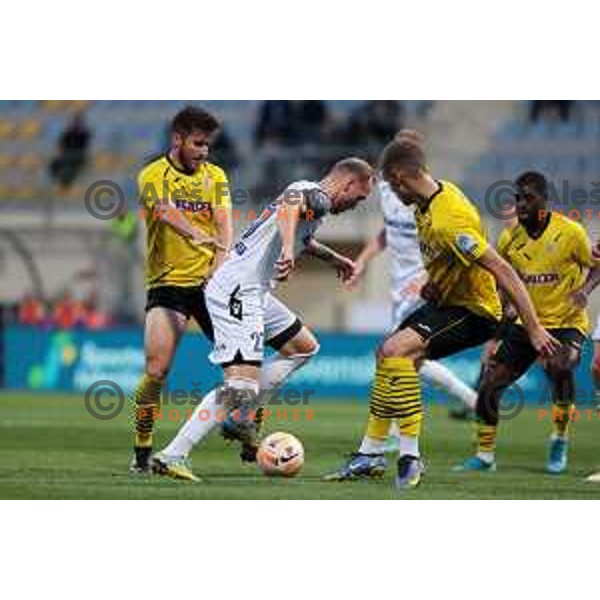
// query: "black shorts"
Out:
[450,329]
[188,301]
[515,349]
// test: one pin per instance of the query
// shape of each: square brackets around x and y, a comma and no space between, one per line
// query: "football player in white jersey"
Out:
[245,314]
[407,274]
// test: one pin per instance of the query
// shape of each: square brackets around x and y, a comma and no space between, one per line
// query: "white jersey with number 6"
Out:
[244,313]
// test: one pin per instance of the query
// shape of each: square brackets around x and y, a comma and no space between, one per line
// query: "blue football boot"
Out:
[557,457]
[410,471]
[360,466]
[475,464]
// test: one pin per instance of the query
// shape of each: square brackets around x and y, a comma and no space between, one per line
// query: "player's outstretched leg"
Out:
[163,330]
[440,376]
[276,370]
[238,395]
[174,459]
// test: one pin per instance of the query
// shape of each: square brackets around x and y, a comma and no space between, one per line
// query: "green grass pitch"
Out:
[50,447]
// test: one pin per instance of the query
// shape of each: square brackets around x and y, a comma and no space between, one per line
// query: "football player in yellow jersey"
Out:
[462,310]
[508,218]
[185,202]
[553,257]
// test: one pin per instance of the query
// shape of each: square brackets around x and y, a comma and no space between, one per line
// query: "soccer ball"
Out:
[280,455]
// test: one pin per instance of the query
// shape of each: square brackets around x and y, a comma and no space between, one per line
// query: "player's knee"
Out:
[157,368]
[560,367]
[305,354]
[312,349]
[391,348]
[304,344]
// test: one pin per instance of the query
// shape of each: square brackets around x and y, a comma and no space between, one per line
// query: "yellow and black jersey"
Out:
[552,266]
[200,197]
[452,239]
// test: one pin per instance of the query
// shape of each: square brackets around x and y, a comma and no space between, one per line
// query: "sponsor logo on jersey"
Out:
[541,278]
[191,206]
[467,244]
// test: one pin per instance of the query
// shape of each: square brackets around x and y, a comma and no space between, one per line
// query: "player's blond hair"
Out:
[354,166]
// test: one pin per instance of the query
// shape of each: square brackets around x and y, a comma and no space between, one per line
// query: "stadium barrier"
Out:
[72,361]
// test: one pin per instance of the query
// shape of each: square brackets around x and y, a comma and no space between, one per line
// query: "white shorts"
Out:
[244,320]
[404,308]
[596,332]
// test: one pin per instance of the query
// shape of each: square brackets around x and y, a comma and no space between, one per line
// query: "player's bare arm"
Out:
[580,296]
[345,267]
[292,205]
[373,248]
[169,213]
[224,236]
[509,281]
[589,256]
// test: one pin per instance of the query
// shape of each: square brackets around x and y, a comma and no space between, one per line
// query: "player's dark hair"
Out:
[355,166]
[534,180]
[194,118]
[402,153]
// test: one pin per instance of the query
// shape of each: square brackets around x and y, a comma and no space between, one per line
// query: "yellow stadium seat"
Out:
[6,129]
[6,191]
[54,105]
[6,160]
[29,162]
[103,160]
[26,191]
[29,129]
[79,104]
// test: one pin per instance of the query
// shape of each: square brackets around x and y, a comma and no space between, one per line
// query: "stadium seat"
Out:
[6,129]
[29,129]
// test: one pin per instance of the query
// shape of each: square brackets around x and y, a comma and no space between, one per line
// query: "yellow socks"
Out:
[396,394]
[561,419]
[486,442]
[147,402]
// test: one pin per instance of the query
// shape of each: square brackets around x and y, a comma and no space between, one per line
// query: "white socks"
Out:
[441,376]
[277,368]
[275,371]
[197,428]
[371,446]
[208,414]
[409,445]
[487,457]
